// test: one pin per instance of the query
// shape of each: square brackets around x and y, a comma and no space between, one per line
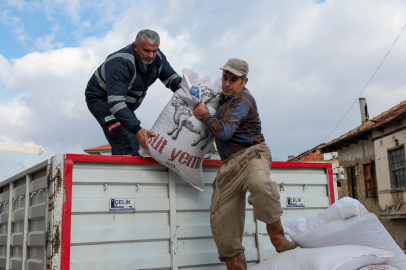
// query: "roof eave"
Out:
[361,132]
[346,141]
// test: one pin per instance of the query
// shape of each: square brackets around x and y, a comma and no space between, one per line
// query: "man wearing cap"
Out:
[246,167]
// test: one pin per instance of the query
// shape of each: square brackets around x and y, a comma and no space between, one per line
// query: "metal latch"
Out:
[50,178]
[281,187]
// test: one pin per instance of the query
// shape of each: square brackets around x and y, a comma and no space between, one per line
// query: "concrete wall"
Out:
[14,163]
[19,149]
[390,199]
[356,155]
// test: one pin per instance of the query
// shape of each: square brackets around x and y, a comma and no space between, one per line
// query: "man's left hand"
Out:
[180,85]
[142,136]
[199,110]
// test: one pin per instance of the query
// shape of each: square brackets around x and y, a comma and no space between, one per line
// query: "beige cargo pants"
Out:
[248,170]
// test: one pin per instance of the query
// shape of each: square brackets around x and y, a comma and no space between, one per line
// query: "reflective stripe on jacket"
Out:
[123,81]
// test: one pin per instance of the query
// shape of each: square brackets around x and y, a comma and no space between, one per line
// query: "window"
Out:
[370,180]
[352,183]
[397,167]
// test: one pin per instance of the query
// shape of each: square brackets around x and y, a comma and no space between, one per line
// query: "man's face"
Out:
[146,51]
[232,84]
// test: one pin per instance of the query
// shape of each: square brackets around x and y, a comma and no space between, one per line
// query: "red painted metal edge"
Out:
[331,184]
[212,162]
[67,214]
[328,166]
[125,159]
[281,164]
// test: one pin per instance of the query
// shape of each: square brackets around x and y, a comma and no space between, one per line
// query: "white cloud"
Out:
[66,7]
[5,70]
[17,26]
[308,63]
[20,4]
[46,43]
[8,141]
[14,114]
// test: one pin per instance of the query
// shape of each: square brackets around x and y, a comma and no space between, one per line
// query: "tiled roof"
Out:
[296,158]
[393,113]
[103,147]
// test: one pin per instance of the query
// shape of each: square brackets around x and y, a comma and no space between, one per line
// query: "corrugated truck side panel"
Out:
[22,219]
[4,198]
[170,227]
[311,182]
[116,240]
[71,227]
[12,163]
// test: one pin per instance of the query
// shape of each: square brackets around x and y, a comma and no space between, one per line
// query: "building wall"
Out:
[14,163]
[356,155]
[312,156]
[390,200]
[19,149]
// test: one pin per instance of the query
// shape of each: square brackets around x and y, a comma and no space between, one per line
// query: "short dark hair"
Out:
[243,77]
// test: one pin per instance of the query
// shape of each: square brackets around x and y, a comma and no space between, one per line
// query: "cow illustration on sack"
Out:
[178,150]
[183,117]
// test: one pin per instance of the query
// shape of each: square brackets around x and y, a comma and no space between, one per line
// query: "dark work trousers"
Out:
[123,142]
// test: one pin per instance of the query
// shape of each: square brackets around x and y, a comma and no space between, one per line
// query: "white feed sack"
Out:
[346,257]
[181,139]
[346,222]
[379,267]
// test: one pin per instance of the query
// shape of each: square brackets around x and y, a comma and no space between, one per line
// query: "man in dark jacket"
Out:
[119,86]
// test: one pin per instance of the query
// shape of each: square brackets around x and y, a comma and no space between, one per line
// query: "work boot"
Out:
[278,239]
[237,262]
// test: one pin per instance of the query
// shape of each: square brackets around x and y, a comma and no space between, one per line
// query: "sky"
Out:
[308,60]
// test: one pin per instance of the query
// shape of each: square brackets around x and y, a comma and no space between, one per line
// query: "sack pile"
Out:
[343,257]
[379,267]
[181,139]
[345,227]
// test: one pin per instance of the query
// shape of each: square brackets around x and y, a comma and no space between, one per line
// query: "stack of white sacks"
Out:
[343,237]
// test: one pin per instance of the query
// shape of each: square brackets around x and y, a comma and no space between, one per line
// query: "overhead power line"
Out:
[367,83]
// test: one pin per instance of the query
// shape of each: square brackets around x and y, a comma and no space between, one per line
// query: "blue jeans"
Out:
[123,142]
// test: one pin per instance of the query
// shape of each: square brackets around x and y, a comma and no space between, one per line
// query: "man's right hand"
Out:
[142,136]
[199,110]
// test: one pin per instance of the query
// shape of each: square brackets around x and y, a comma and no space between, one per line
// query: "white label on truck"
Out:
[295,202]
[122,204]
